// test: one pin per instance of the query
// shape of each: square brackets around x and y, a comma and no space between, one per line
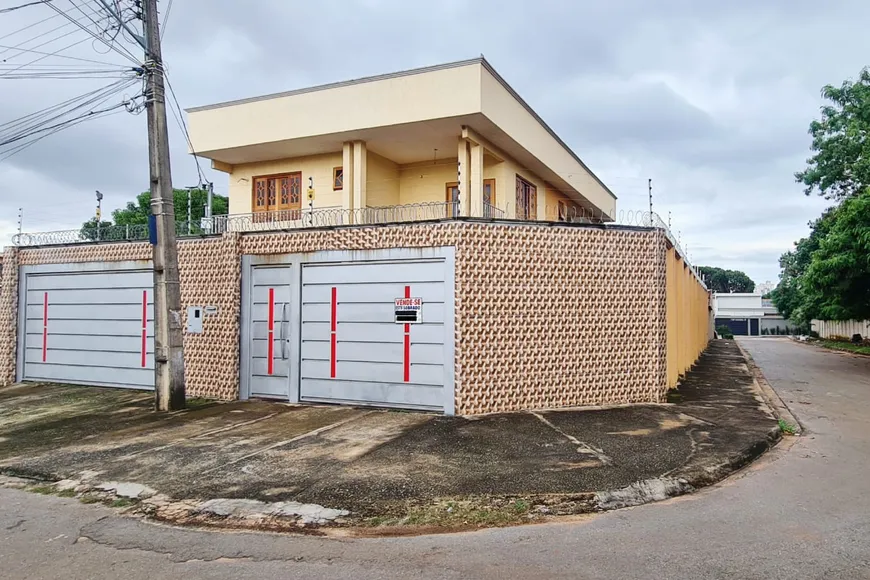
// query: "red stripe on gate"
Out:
[270,365]
[407,343]
[144,325]
[333,341]
[44,327]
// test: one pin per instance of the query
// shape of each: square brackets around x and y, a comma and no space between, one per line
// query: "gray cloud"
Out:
[711,100]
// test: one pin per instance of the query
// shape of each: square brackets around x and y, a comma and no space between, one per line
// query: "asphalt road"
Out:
[802,511]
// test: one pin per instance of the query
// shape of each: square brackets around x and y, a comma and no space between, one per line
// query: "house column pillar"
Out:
[347,181]
[359,179]
[464,177]
[476,187]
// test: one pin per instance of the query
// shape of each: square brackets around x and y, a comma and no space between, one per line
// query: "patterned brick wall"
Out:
[210,276]
[8,315]
[546,316]
[210,272]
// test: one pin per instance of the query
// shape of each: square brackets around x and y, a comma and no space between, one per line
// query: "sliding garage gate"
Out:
[366,328]
[89,324]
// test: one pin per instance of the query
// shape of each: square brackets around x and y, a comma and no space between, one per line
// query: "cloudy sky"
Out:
[710,99]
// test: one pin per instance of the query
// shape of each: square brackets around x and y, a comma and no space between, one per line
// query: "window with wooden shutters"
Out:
[488,197]
[527,200]
[452,196]
[277,197]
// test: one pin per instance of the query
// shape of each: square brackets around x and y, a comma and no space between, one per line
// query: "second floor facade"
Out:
[447,141]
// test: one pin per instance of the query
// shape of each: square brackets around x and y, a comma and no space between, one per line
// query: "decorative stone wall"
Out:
[559,317]
[8,315]
[546,315]
[210,272]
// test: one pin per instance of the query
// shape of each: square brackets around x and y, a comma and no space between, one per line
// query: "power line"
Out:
[61,55]
[29,26]
[4,10]
[126,54]
[179,118]
[166,18]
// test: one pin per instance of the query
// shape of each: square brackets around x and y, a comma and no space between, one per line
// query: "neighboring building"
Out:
[443,141]
[765,287]
[748,314]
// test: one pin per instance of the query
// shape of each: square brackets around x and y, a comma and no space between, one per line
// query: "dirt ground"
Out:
[374,462]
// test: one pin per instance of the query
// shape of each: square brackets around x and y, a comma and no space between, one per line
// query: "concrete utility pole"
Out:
[168,353]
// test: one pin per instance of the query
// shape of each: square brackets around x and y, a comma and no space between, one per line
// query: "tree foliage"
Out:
[135,215]
[726,281]
[840,165]
[827,275]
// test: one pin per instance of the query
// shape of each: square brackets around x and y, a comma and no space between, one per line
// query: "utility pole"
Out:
[168,353]
[20,219]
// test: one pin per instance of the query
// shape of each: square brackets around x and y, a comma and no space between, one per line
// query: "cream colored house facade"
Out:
[451,140]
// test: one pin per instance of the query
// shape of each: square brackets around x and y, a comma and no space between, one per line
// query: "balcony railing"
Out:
[315,218]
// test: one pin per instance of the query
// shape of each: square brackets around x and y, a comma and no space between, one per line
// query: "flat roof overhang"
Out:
[406,117]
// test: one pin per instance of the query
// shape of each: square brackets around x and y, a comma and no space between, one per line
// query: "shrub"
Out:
[724,332]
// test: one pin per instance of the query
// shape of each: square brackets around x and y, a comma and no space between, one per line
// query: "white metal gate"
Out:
[270,302]
[90,324]
[334,332]
[353,350]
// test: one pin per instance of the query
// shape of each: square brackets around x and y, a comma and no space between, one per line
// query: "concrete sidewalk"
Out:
[379,467]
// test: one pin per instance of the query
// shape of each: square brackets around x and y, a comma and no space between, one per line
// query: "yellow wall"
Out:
[317,166]
[382,181]
[389,184]
[427,181]
[688,317]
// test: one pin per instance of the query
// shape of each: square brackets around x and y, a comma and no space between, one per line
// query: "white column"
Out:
[359,177]
[476,181]
[347,183]
[464,177]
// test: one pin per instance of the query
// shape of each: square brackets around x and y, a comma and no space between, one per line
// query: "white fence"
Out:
[843,328]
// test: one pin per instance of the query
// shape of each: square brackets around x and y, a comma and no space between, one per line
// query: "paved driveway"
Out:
[801,512]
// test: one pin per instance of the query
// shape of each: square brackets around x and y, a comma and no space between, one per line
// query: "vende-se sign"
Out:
[409,310]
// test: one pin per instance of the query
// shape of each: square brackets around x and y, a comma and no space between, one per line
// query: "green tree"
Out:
[726,281]
[838,277]
[840,165]
[788,296]
[137,212]
[827,275]
[134,216]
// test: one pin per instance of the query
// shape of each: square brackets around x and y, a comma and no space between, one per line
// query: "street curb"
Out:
[690,481]
[769,394]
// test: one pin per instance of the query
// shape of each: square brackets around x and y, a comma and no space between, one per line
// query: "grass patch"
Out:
[122,502]
[845,346]
[89,499]
[42,489]
[454,514]
[66,493]
[786,427]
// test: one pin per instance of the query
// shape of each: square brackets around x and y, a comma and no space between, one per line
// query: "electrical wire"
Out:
[29,26]
[45,122]
[62,55]
[123,52]
[165,19]
[12,8]
[179,119]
